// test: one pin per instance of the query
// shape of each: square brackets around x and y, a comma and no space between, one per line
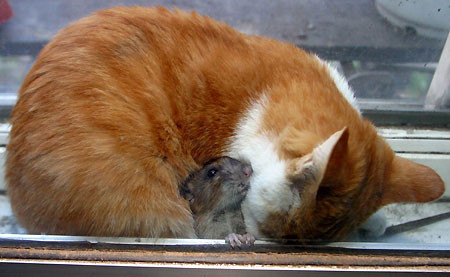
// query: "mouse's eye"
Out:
[212,172]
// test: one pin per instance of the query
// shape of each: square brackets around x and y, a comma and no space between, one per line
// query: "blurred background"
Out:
[387,49]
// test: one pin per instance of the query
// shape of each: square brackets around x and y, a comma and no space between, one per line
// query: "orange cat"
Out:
[122,105]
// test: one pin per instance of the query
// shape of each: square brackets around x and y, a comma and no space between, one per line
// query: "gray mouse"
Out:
[215,193]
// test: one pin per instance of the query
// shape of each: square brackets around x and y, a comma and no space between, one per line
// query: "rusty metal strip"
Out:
[230,257]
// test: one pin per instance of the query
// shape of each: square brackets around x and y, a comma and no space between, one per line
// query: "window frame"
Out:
[210,255]
[72,255]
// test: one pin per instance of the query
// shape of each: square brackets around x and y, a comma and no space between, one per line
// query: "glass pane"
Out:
[388,50]
[382,48]
[13,70]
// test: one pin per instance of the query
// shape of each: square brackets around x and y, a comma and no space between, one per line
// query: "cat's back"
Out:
[131,69]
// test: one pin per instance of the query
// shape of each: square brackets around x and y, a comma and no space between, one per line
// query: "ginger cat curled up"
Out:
[121,106]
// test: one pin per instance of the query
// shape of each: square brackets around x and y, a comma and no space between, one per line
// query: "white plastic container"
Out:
[428,18]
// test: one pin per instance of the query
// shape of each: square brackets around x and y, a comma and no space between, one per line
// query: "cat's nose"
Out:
[247,170]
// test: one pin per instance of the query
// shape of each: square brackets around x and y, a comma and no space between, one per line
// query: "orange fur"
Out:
[122,105]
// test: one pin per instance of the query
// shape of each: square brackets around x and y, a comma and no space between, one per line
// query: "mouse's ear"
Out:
[186,192]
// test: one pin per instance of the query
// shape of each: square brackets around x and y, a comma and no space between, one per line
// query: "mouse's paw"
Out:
[239,240]
[248,239]
[234,240]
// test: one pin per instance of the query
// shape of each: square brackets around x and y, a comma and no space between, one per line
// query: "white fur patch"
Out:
[341,84]
[269,190]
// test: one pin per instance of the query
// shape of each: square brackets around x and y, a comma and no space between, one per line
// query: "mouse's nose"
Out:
[247,170]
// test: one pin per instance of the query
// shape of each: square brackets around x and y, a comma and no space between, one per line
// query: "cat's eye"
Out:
[212,172]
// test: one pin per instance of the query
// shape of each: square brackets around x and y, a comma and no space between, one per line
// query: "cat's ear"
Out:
[311,168]
[407,181]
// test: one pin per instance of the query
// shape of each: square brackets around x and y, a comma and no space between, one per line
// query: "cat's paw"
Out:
[374,227]
[239,240]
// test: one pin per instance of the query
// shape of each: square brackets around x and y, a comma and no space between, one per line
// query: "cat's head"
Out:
[345,179]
